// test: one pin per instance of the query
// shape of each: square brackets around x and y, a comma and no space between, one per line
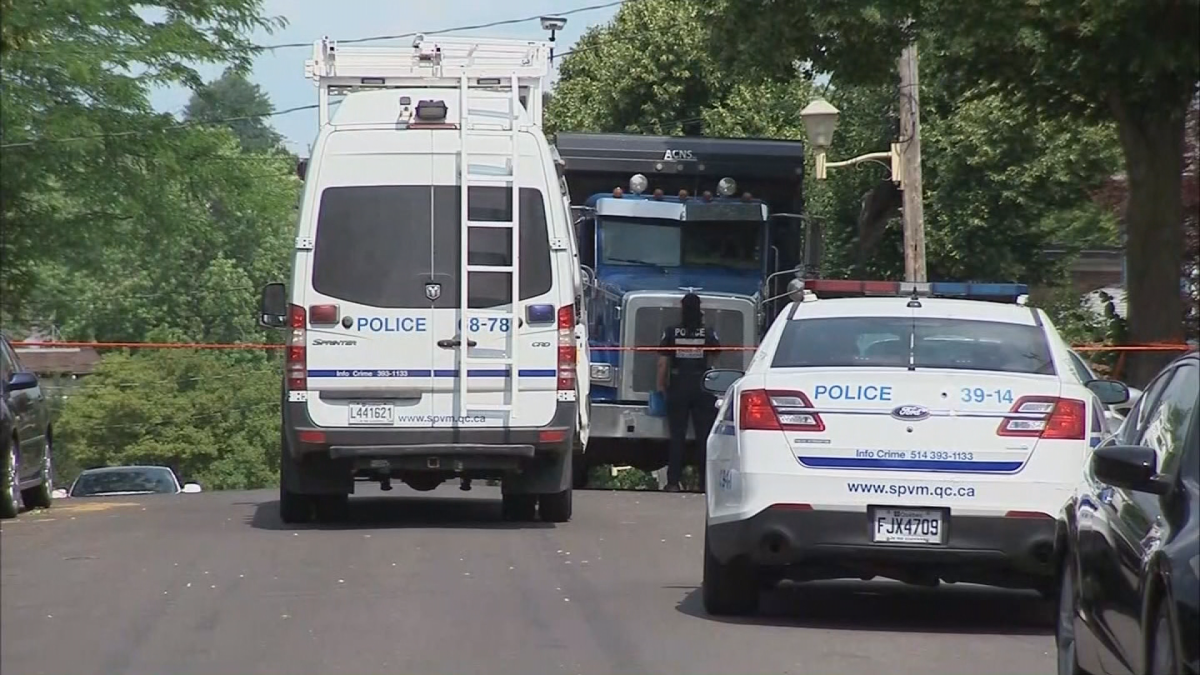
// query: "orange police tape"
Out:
[249,346]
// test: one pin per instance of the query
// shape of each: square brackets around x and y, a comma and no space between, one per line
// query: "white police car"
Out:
[909,431]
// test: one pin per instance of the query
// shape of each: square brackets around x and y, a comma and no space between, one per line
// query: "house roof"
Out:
[58,360]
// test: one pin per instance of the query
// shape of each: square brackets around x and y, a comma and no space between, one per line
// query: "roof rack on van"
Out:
[486,63]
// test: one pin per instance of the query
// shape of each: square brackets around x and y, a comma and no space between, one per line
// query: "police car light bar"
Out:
[841,288]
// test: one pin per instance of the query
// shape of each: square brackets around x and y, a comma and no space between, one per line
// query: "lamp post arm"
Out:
[893,156]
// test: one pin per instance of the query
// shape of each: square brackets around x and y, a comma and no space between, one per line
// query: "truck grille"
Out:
[650,322]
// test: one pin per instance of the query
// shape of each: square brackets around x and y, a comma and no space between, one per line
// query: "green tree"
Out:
[77,132]
[211,416]
[998,178]
[234,101]
[1131,63]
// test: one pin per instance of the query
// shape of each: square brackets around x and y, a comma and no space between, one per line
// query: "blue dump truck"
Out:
[657,217]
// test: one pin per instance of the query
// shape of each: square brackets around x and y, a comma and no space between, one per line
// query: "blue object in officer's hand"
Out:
[658,405]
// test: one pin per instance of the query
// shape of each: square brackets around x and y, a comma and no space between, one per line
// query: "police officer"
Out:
[681,379]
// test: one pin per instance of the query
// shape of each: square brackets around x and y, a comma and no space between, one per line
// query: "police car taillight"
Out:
[1047,417]
[296,363]
[566,348]
[764,410]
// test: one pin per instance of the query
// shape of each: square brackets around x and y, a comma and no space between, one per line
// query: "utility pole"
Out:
[910,146]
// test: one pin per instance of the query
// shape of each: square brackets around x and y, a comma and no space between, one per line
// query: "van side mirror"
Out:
[272,306]
[1110,392]
[718,381]
[301,168]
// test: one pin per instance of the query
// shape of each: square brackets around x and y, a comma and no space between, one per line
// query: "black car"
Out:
[1129,587]
[27,477]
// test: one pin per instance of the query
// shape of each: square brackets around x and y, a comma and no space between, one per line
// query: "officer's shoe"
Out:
[671,487]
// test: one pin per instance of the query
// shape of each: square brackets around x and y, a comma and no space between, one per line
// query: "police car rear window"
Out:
[930,343]
[378,245]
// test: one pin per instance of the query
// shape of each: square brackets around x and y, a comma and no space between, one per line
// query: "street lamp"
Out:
[820,121]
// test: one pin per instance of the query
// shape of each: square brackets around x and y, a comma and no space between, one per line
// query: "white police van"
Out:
[432,200]
[920,432]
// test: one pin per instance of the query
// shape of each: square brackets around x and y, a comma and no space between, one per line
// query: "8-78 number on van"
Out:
[490,324]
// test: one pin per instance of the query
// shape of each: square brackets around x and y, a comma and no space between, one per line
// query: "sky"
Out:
[280,72]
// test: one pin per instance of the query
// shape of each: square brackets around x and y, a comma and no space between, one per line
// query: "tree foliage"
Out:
[998,177]
[83,149]
[211,416]
[1130,63]
[239,104]
[124,224]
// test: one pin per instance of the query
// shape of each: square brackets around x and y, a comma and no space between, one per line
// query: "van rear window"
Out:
[378,245]
[955,344]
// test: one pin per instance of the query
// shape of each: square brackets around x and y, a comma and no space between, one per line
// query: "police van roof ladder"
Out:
[471,133]
[431,63]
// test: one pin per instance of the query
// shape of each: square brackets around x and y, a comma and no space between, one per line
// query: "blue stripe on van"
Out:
[909,464]
[411,373]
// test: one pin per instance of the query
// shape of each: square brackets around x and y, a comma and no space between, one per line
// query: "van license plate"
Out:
[372,414]
[908,526]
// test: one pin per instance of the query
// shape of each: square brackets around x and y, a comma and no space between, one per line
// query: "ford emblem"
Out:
[910,413]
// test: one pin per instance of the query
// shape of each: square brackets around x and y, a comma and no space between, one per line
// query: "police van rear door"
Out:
[370,312]
[485,336]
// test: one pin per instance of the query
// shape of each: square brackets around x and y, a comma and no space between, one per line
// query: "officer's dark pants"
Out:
[687,398]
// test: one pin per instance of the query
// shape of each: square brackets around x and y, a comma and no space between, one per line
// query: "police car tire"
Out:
[518,508]
[556,507]
[729,589]
[294,508]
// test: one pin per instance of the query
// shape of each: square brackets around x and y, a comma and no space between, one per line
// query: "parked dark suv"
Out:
[1129,584]
[27,478]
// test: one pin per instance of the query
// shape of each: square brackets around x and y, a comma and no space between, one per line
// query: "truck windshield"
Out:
[710,243]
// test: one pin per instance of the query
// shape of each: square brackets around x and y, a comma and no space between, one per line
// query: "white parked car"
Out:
[916,432]
[111,481]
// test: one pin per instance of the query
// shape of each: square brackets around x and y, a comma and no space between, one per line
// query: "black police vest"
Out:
[688,362]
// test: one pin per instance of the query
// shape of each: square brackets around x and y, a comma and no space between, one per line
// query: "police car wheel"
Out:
[294,508]
[555,508]
[729,589]
[515,508]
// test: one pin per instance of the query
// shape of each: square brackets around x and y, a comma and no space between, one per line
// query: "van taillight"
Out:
[764,410]
[1049,417]
[323,315]
[296,364]
[566,348]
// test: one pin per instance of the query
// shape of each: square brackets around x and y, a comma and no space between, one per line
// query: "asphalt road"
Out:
[215,584]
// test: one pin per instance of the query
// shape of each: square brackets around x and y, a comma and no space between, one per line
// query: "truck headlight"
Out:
[601,372]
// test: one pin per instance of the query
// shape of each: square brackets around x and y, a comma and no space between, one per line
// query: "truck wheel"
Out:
[294,507]
[519,508]
[556,507]
[729,589]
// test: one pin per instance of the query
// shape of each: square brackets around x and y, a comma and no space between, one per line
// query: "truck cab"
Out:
[657,217]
